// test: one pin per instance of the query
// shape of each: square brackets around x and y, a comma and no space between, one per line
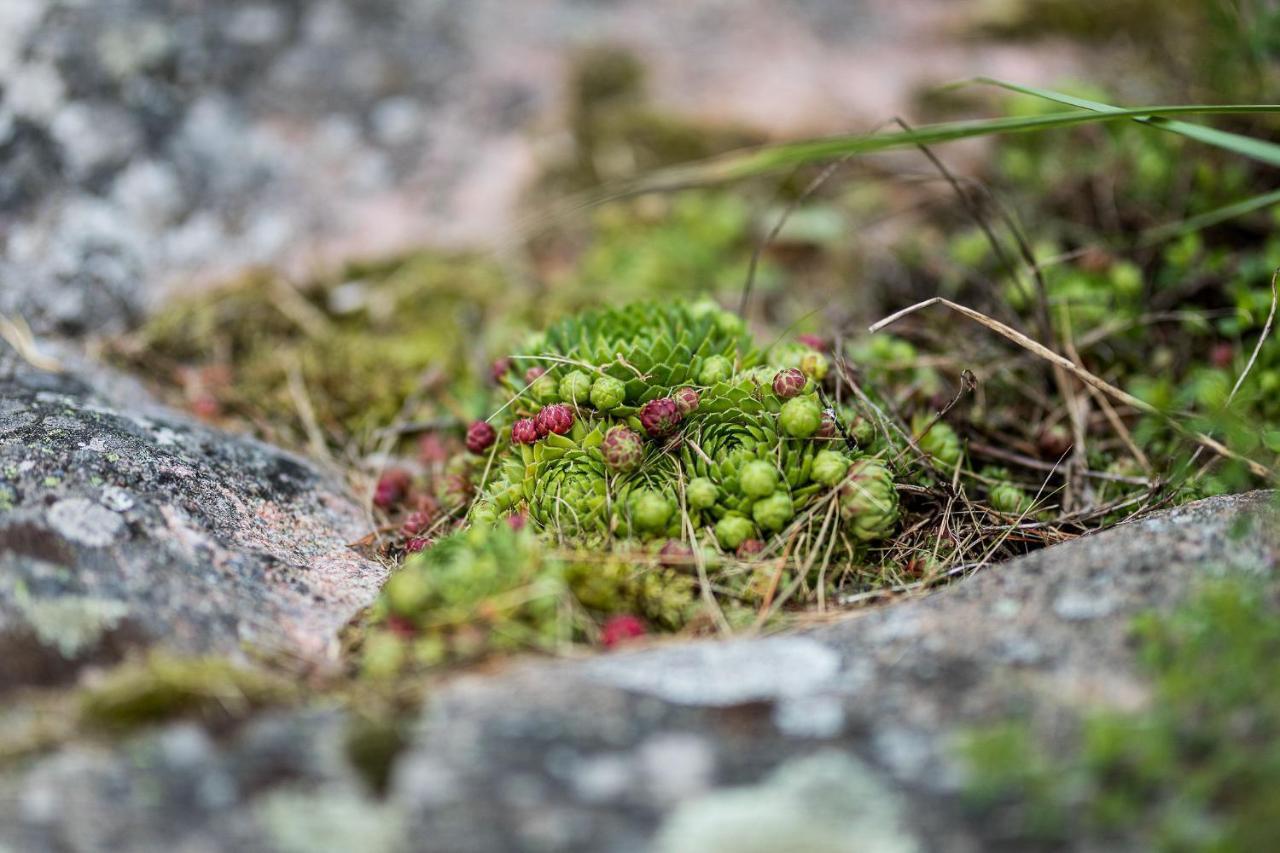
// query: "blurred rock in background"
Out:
[148,146]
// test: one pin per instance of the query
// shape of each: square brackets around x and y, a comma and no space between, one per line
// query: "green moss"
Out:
[357,347]
[373,743]
[162,688]
[1198,770]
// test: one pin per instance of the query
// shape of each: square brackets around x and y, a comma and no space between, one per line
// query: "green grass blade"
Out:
[1256,149]
[771,158]
[1209,218]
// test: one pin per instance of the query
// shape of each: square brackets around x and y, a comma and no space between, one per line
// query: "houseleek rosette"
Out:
[568,492]
[650,348]
[868,500]
[663,412]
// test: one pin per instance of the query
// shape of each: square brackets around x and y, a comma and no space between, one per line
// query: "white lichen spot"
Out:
[85,522]
[299,821]
[117,499]
[827,803]
[70,623]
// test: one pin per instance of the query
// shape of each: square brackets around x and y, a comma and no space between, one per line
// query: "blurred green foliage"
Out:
[1198,770]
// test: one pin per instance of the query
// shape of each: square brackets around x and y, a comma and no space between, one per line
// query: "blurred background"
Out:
[150,146]
[370,201]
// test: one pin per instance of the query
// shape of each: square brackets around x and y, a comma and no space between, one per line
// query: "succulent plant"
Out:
[479,590]
[701,493]
[861,430]
[483,512]
[545,389]
[585,470]
[800,417]
[686,399]
[480,437]
[773,513]
[938,440]
[814,365]
[524,431]
[1004,495]
[868,500]
[622,448]
[733,530]
[575,387]
[567,492]
[758,479]
[556,418]
[608,393]
[829,467]
[788,383]
[1009,499]
[660,417]
[715,369]
[650,511]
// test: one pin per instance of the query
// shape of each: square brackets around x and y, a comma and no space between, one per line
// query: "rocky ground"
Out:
[128,526]
[148,145]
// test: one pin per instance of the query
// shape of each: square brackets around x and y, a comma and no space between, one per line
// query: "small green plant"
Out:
[619,461]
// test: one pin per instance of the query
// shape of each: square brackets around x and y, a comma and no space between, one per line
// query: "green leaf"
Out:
[1247,146]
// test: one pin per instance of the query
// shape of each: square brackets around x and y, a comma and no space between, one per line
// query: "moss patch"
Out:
[162,688]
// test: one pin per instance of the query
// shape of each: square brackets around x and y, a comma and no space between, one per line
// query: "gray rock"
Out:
[122,525]
[282,783]
[600,747]
[855,752]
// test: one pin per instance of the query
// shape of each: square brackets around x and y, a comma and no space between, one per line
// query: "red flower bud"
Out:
[789,383]
[533,373]
[431,449]
[416,522]
[660,417]
[480,437]
[524,431]
[687,400]
[814,342]
[826,429]
[620,629]
[557,418]
[401,627]
[391,488]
